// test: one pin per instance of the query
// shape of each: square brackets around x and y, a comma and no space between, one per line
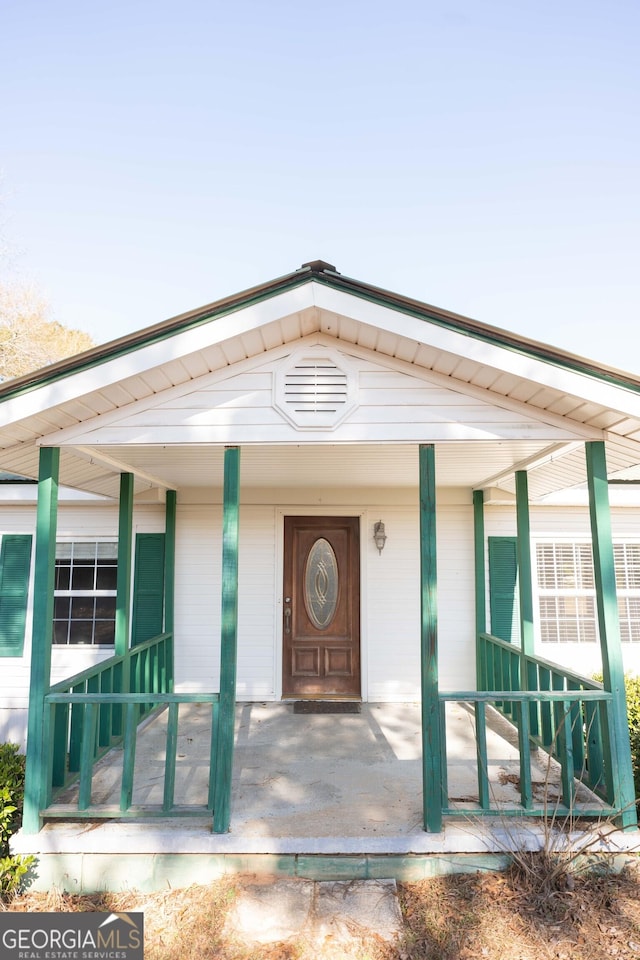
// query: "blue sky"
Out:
[481,156]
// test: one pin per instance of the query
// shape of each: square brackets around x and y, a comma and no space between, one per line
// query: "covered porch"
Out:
[578,723]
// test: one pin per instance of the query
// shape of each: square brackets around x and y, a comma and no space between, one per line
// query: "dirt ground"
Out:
[530,912]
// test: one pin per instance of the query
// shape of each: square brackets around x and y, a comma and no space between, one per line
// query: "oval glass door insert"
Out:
[321,584]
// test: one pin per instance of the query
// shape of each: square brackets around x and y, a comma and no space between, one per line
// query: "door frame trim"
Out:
[315,511]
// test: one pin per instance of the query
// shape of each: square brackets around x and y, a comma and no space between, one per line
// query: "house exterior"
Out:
[317,489]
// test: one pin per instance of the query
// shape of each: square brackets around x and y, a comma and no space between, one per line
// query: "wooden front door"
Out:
[321,608]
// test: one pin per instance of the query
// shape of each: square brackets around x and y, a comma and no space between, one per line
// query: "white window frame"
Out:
[586,627]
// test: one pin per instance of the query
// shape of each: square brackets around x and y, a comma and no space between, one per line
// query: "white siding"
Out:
[86,522]
[568,524]
[392,405]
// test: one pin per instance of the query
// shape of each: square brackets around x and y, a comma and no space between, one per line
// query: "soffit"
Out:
[457,358]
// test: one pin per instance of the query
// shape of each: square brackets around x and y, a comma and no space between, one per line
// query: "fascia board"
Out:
[506,359]
[142,358]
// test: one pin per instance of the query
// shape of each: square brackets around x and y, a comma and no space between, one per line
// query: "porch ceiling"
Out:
[274,469]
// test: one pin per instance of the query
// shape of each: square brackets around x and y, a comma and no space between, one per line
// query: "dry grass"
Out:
[516,915]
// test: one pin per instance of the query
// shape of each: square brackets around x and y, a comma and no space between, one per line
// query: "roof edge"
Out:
[322,272]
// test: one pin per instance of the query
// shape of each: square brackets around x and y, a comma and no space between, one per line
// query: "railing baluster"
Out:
[577,732]
[482,758]
[565,751]
[60,742]
[104,723]
[87,755]
[170,757]
[526,789]
[544,679]
[129,756]
[444,772]
[595,760]
[213,753]
[75,736]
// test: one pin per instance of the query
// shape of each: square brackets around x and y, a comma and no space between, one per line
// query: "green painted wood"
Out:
[129,756]
[147,620]
[578,722]
[37,784]
[170,757]
[546,723]
[123,585]
[588,683]
[503,581]
[480,585]
[60,738]
[228,640]
[595,759]
[432,799]
[609,627]
[77,721]
[525,591]
[444,771]
[122,698]
[524,734]
[213,755]
[15,570]
[105,721]
[117,720]
[169,582]
[87,755]
[482,759]
[564,742]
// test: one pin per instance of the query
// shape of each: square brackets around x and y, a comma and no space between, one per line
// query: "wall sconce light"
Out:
[379,536]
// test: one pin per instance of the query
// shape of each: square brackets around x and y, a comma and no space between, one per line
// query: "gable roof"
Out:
[325,273]
[576,396]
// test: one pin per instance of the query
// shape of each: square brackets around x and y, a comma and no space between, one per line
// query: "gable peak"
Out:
[319,266]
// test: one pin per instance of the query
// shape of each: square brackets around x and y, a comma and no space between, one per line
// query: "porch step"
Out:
[273,911]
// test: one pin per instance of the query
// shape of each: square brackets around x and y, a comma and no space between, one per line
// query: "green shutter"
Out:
[148,587]
[15,563]
[503,596]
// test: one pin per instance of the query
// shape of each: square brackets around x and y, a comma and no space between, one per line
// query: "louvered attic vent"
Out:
[315,392]
[316,386]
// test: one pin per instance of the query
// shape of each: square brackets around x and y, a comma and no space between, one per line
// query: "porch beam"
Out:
[480,584]
[36,793]
[609,628]
[228,641]
[432,799]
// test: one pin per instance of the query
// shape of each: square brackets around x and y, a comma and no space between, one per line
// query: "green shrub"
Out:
[12,869]
[632,688]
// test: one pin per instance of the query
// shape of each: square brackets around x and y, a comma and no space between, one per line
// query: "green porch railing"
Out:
[584,728]
[88,706]
[90,715]
[567,709]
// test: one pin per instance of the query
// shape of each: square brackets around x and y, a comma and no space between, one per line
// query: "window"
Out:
[85,592]
[567,596]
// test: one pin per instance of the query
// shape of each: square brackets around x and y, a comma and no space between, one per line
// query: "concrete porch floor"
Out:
[306,787]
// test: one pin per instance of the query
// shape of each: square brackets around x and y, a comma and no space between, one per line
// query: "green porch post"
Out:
[431,739]
[228,641]
[480,584]
[609,626]
[36,793]
[170,578]
[123,584]
[528,677]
